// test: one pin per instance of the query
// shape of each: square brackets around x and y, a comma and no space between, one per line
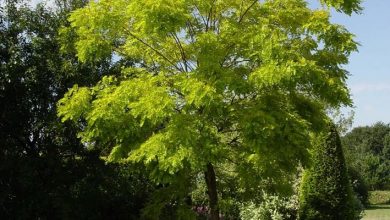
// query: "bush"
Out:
[379,197]
[326,192]
[273,207]
[359,186]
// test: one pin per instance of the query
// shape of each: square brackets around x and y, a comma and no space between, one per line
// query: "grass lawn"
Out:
[377,212]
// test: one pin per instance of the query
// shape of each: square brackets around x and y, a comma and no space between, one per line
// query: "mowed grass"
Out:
[377,212]
[380,207]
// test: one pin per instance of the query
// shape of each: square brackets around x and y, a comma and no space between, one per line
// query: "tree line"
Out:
[367,153]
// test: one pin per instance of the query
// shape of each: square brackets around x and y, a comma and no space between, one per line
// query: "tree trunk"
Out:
[212,192]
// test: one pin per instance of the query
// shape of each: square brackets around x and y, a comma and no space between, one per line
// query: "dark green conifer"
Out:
[326,192]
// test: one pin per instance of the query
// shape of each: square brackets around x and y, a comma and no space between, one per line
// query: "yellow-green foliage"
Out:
[223,81]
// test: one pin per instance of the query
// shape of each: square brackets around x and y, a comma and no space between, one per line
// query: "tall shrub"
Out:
[326,192]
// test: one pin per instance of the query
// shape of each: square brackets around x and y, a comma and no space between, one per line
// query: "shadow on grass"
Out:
[382,206]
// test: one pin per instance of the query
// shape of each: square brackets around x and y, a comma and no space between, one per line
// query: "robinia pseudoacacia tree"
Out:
[236,82]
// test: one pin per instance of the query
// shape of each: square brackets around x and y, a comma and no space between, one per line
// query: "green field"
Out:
[380,207]
[377,212]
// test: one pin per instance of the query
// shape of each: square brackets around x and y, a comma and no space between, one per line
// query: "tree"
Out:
[367,150]
[326,192]
[237,84]
[46,173]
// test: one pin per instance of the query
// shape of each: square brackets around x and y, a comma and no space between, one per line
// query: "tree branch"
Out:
[246,11]
[201,16]
[155,50]
[210,16]
[181,49]
[191,30]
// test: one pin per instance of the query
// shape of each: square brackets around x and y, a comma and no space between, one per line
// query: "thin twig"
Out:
[155,50]
[182,52]
[204,20]
[191,30]
[246,11]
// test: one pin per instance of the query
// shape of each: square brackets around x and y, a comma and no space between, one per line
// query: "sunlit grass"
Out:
[377,212]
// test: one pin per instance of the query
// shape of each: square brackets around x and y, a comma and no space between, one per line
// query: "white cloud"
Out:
[370,87]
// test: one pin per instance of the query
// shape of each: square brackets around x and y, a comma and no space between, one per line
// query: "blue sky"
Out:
[369,68]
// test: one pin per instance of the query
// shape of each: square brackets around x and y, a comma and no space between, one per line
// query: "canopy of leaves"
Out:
[220,82]
[368,151]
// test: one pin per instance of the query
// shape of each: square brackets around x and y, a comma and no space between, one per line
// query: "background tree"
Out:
[45,171]
[326,192]
[222,86]
[367,150]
